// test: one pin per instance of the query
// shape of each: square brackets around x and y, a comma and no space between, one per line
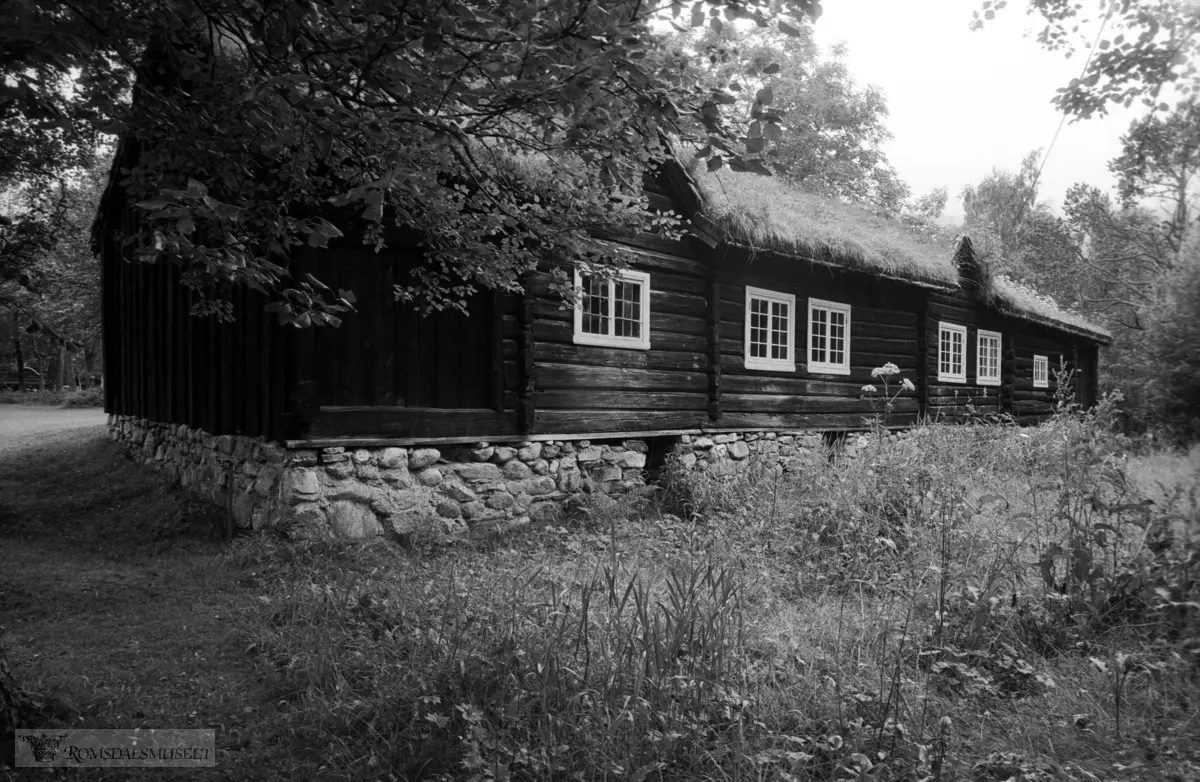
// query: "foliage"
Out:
[1143,49]
[1160,160]
[827,132]
[996,207]
[255,131]
[52,304]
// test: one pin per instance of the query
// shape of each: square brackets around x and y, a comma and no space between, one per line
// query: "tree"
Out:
[996,208]
[1160,160]
[1145,47]
[824,131]
[56,304]
[501,133]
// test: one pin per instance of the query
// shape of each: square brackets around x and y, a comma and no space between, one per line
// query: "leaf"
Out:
[787,29]
[717,25]
[765,96]
[755,144]
[772,68]
[186,226]
[347,296]
[774,132]
[715,162]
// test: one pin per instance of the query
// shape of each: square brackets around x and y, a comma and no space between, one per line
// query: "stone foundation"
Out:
[366,492]
[444,490]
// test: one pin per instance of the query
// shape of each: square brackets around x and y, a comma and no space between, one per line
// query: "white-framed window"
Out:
[828,337]
[987,358]
[770,319]
[952,353]
[614,312]
[1041,372]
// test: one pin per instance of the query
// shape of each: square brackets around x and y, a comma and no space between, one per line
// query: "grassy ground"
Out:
[117,608]
[932,611]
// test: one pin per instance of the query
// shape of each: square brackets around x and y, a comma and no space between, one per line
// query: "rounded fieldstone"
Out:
[543,485]
[503,454]
[430,476]
[501,500]
[531,452]
[482,454]
[632,459]
[473,510]
[361,456]
[516,471]
[478,472]
[398,476]
[456,491]
[393,457]
[351,520]
[448,510]
[368,472]
[340,470]
[423,457]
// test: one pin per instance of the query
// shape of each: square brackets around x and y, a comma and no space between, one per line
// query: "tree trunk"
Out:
[16,338]
[60,381]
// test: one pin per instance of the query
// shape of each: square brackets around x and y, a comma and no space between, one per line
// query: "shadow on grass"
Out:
[117,609]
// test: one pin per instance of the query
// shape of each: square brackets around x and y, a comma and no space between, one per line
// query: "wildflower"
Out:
[868,389]
[887,370]
[907,385]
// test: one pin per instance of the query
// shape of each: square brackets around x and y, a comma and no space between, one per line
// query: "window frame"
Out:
[1044,382]
[826,367]
[952,377]
[610,340]
[787,364]
[980,378]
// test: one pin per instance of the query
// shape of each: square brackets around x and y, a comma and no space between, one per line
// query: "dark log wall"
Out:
[166,365]
[1031,404]
[952,401]
[883,328]
[586,388]
[391,370]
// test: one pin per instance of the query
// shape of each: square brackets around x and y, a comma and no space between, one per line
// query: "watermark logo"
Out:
[44,747]
[137,747]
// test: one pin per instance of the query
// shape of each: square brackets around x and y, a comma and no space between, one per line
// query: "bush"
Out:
[87,397]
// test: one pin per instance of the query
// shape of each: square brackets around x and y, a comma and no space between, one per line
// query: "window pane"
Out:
[819,335]
[595,305]
[779,330]
[758,328]
[837,337]
[628,300]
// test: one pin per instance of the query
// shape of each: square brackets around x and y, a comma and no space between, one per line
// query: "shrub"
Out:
[87,397]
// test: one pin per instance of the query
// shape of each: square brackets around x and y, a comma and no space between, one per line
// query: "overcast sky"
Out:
[963,102]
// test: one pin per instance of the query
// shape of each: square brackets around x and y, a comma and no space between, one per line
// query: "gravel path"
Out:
[25,426]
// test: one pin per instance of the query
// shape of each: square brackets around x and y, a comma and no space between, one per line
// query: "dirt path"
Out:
[24,426]
[117,608]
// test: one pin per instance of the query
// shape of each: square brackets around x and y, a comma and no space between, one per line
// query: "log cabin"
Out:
[768,311]
[755,325]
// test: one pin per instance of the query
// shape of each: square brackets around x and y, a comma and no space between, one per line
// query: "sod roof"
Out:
[769,214]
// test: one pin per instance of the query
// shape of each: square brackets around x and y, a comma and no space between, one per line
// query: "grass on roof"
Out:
[769,213]
[1021,299]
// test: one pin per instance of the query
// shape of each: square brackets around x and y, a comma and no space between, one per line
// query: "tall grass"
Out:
[971,602]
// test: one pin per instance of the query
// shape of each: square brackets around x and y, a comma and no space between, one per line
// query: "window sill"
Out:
[826,369]
[769,366]
[951,379]
[603,341]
